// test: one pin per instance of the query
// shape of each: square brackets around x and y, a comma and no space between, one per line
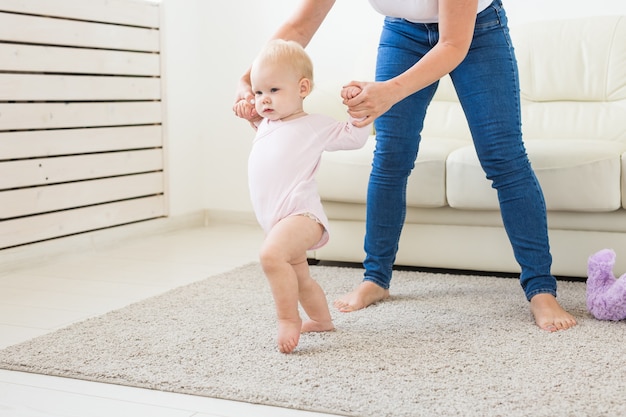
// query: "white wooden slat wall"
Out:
[81,142]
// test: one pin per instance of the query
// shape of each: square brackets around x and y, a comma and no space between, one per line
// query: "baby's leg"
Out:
[286,244]
[313,300]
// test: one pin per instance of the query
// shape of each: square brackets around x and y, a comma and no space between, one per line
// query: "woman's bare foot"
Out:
[549,315]
[366,294]
[317,326]
[288,335]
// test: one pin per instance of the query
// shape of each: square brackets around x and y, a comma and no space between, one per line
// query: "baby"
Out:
[283,161]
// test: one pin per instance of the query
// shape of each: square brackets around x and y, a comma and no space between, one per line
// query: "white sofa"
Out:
[573,82]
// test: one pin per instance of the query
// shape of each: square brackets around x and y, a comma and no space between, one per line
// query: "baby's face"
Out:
[277,90]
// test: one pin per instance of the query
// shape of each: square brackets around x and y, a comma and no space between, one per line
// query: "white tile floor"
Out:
[41,298]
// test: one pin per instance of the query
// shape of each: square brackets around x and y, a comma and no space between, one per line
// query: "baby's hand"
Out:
[243,109]
[350,91]
[246,110]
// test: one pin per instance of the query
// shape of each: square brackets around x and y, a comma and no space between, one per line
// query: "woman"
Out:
[421,41]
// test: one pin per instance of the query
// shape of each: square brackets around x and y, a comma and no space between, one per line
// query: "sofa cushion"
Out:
[426,186]
[572,60]
[343,175]
[577,175]
[567,120]
[445,117]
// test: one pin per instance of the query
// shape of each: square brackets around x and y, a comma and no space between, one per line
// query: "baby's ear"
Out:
[305,87]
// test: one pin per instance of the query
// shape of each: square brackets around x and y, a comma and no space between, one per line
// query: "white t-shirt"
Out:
[418,11]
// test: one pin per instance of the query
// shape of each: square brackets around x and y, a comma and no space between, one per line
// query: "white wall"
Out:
[208,46]
[186,134]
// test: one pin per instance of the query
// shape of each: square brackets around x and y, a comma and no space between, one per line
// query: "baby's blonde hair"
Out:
[288,53]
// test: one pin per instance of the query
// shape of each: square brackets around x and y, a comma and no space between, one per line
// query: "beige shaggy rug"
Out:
[443,345]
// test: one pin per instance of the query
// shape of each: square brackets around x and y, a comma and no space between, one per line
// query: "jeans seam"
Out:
[540,291]
[377,282]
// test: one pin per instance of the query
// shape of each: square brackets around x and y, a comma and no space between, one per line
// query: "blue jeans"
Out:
[487,85]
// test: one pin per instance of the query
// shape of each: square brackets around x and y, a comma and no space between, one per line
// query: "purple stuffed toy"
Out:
[606,295]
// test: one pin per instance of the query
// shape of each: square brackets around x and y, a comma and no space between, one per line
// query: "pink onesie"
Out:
[284,159]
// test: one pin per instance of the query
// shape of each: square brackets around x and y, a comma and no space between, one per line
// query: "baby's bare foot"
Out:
[317,326]
[366,294]
[288,335]
[549,315]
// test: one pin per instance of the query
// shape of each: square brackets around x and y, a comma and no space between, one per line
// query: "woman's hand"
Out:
[373,100]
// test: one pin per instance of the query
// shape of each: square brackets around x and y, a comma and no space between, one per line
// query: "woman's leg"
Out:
[402,44]
[488,87]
